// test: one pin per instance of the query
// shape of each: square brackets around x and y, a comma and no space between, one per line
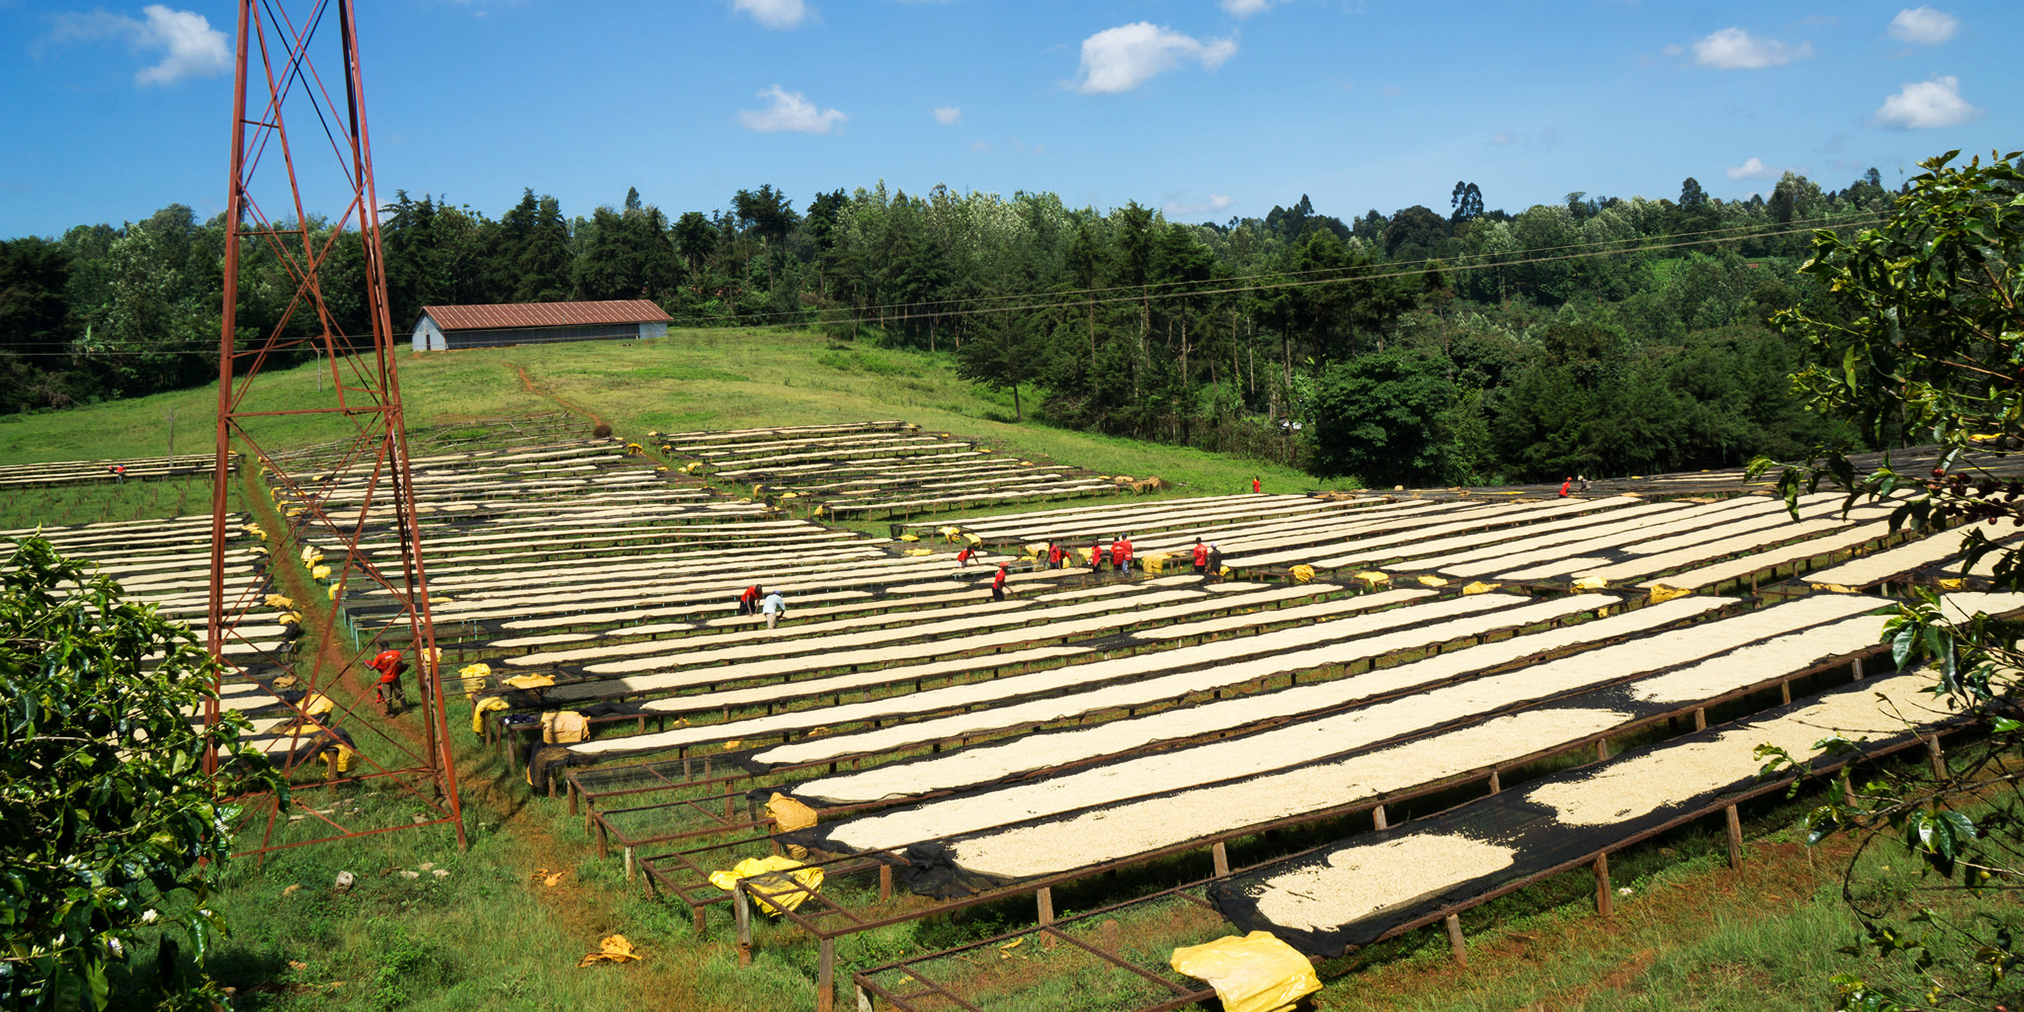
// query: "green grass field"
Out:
[491,934]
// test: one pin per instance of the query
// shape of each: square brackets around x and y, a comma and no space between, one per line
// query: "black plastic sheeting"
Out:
[933,871]
[1510,819]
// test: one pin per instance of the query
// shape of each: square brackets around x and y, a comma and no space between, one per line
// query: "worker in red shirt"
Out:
[998,583]
[1096,555]
[1120,554]
[1201,557]
[1257,486]
[748,602]
[391,697]
[1565,486]
[963,557]
[1055,555]
[118,474]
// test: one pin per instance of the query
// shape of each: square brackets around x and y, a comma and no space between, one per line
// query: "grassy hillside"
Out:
[707,379]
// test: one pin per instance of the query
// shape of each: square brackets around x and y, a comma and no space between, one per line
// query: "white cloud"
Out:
[1924,25]
[1246,8]
[980,146]
[948,115]
[789,111]
[776,14]
[1934,103]
[1753,169]
[1502,139]
[190,47]
[1736,49]
[1122,58]
[1216,202]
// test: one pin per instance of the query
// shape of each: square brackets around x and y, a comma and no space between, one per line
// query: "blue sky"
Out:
[1206,108]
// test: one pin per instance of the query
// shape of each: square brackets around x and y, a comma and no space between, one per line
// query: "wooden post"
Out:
[885,882]
[1939,762]
[825,976]
[1735,836]
[603,840]
[1377,818]
[1601,749]
[741,909]
[1701,718]
[572,796]
[1857,665]
[1220,855]
[863,999]
[1495,784]
[1455,940]
[1785,691]
[629,864]
[1604,899]
[1044,898]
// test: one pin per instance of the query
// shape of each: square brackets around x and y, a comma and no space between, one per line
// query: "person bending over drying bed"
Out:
[773,607]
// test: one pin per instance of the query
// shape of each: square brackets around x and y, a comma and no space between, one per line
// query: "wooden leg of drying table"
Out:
[1455,940]
[1735,836]
[1604,899]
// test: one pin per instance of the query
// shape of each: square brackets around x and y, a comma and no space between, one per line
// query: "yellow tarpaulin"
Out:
[920,551]
[1479,587]
[773,874]
[1662,593]
[1255,973]
[530,681]
[613,949]
[278,601]
[1304,573]
[318,704]
[1156,562]
[1833,588]
[1373,577]
[484,706]
[474,676]
[1590,583]
[1432,581]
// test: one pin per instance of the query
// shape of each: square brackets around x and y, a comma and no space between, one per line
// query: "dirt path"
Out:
[527,383]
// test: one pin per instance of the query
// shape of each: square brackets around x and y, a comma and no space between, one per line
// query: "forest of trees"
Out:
[1598,336]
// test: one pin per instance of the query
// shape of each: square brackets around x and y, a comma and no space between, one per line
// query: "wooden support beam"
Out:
[1857,665]
[885,882]
[1601,749]
[1939,761]
[630,868]
[1220,856]
[1496,784]
[1701,718]
[1377,818]
[741,909]
[825,977]
[1605,899]
[1455,940]
[1785,691]
[1735,836]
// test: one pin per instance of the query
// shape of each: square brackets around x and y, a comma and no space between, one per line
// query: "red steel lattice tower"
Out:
[354,494]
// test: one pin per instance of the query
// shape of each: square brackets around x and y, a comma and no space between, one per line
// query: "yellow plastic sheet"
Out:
[1372,577]
[1255,973]
[613,949]
[773,873]
[1479,587]
[788,814]
[920,551]
[474,676]
[1432,581]
[530,681]
[1834,588]
[320,573]
[1590,583]
[1662,593]
[484,706]
[279,601]
[318,704]
[1952,583]
[1304,573]
[1156,562]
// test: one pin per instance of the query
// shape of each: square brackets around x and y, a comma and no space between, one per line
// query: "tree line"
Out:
[1598,335]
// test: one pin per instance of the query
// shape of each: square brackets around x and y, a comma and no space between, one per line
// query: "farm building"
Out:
[444,327]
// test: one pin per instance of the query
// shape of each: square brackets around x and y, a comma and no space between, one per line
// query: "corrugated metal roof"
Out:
[545,314]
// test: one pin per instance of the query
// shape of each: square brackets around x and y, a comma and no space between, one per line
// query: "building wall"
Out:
[540,335]
[648,330]
[427,336]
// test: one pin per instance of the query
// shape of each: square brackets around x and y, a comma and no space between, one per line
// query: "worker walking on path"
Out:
[998,583]
[773,607]
[118,474]
[392,698]
[1201,557]
[1120,554]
